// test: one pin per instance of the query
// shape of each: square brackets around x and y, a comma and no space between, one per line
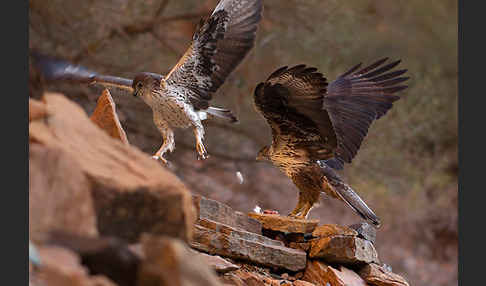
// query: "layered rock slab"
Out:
[344,250]
[377,275]
[319,273]
[132,193]
[229,242]
[222,213]
[276,222]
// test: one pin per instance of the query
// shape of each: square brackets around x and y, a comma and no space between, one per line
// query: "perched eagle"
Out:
[181,98]
[317,127]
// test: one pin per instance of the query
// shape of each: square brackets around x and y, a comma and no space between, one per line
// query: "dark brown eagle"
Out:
[181,98]
[317,127]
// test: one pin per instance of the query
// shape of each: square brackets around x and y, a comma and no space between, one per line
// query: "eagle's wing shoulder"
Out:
[358,97]
[219,44]
[291,102]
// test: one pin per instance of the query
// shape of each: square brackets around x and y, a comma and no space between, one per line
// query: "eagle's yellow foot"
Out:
[162,159]
[300,211]
[202,154]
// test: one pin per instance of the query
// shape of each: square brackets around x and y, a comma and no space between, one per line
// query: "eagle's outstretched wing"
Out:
[291,102]
[355,99]
[219,44]
[330,121]
[53,69]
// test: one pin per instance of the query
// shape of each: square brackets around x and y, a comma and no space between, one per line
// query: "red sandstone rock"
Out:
[106,118]
[326,230]
[319,273]
[219,212]
[344,250]
[59,194]
[284,224]
[169,262]
[37,109]
[377,275]
[247,246]
[132,193]
[61,267]
[218,263]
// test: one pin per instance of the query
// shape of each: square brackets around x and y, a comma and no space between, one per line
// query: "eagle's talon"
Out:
[202,156]
[162,159]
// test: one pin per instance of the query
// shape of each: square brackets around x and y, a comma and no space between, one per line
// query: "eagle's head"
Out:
[144,84]
[263,154]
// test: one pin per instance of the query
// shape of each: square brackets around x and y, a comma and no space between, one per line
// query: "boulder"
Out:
[343,250]
[377,275]
[326,230]
[105,117]
[217,263]
[62,267]
[365,231]
[169,262]
[37,109]
[59,194]
[319,273]
[108,256]
[222,213]
[276,222]
[132,193]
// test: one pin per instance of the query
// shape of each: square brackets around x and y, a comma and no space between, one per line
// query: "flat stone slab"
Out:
[219,212]
[319,273]
[284,224]
[365,230]
[326,230]
[251,247]
[344,250]
[237,233]
[377,275]
[218,263]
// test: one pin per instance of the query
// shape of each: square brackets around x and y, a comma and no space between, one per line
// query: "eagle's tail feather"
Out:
[349,196]
[222,113]
[356,203]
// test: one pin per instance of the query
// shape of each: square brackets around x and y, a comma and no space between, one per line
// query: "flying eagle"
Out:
[181,98]
[317,127]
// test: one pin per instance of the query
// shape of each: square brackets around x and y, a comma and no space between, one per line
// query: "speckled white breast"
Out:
[171,107]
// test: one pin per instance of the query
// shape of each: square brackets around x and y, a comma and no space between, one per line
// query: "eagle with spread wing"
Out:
[181,98]
[317,127]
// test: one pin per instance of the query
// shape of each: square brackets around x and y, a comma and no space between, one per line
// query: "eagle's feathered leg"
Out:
[168,137]
[307,199]
[199,134]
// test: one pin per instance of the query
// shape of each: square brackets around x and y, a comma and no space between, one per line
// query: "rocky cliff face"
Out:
[101,212]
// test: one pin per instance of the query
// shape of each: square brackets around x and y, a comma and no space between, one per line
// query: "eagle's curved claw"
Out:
[202,154]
